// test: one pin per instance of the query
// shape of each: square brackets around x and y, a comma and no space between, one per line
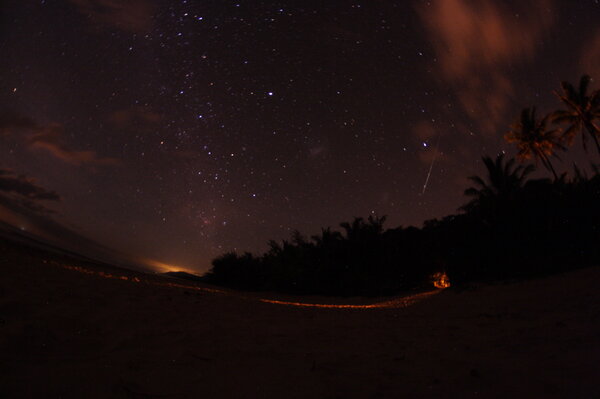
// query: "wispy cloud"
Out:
[24,186]
[476,44]
[51,138]
[24,192]
[134,16]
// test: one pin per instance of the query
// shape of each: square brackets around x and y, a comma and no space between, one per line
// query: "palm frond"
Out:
[472,192]
[595,99]
[569,134]
[477,180]
[584,83]
[529,169]
[569,90]
[562,116]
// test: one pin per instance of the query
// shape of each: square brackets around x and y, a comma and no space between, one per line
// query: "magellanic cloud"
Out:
[134,16]
[476,43]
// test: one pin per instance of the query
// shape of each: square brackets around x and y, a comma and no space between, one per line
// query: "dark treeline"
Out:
[512,227]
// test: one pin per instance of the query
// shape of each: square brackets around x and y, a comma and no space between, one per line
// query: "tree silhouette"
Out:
[511,227]
[327,238]
[504,180]
[582,113]
[359,229]
[534,139]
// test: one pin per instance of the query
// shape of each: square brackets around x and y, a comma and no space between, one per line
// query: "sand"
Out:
[75,333]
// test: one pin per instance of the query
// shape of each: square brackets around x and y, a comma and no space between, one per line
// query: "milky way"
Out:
[178,130]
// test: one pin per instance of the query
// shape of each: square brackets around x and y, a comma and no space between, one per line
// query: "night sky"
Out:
[179,130]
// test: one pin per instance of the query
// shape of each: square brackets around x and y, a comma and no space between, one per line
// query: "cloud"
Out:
[22,216]
[477,43]
[134,16]
[24,192]
[51,139]
[22,223]
[24,186]
[469,35]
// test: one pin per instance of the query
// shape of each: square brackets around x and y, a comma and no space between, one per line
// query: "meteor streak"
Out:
[437,144]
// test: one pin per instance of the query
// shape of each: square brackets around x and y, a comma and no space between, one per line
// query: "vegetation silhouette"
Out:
[582,113]
[534,139]
[512,227]
[504,182]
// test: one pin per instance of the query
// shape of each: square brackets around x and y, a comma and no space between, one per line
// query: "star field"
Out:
[178,130]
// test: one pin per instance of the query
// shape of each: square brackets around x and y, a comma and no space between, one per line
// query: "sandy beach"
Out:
[71,330]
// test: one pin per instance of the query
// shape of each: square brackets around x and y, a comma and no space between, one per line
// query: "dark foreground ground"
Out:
[98,332]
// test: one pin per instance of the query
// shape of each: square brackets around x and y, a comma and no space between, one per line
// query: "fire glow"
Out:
[440,280]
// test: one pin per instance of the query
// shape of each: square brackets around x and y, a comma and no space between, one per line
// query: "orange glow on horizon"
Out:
[161,267]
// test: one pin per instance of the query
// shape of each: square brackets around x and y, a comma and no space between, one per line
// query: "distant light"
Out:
[424,144]
[270,93]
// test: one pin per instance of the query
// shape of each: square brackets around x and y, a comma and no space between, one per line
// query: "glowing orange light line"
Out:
[395,303]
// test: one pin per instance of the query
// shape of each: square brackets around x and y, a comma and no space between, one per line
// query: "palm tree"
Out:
[504,180]
[582,114]
[358,229]
[534,139]
[327,238]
